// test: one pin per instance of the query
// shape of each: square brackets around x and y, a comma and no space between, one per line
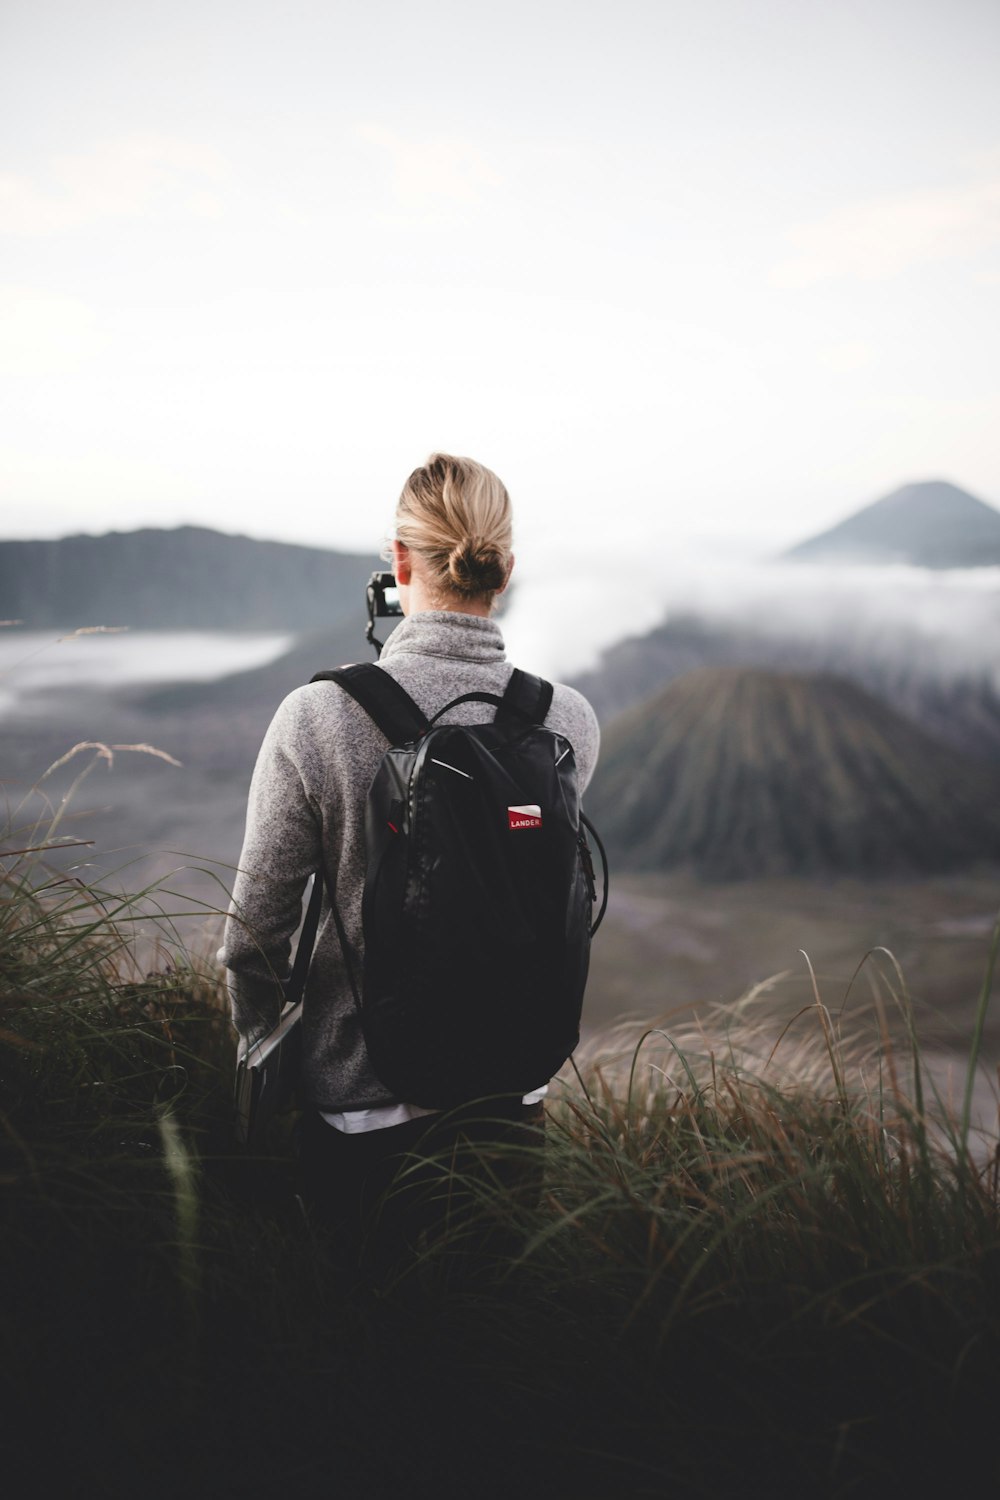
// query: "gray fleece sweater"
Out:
[307,798]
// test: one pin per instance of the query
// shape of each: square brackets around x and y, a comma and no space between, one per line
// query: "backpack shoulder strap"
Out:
[527,697]
[387,704]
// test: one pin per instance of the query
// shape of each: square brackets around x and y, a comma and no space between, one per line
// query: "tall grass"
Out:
[762,1261]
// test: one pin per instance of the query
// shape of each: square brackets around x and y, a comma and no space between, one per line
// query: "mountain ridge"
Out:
[178,578]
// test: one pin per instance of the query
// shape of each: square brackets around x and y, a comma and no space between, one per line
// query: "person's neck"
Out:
[422,602]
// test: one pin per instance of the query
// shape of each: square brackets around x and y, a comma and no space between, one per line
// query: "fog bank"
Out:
[559,625]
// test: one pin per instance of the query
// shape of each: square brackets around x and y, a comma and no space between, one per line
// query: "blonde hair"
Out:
[456,514]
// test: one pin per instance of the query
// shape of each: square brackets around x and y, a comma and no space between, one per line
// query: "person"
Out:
[452,559]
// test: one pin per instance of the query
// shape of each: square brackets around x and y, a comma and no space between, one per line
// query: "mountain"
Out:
[738,772]
[189,578]
[930,525]
[958,705]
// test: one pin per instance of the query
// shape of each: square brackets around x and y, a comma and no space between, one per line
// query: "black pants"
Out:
[383,1193]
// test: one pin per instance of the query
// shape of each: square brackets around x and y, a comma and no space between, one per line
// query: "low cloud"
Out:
[945,623]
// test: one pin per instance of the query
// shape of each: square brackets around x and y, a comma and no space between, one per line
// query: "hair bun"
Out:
[455,515]
[476,566]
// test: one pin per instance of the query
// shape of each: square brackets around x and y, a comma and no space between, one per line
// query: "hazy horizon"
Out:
[559,622]
[732,546]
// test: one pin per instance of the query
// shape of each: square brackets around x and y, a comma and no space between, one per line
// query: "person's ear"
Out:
[401,565]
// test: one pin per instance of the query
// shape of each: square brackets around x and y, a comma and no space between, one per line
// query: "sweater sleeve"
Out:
[573,716]
[281,849]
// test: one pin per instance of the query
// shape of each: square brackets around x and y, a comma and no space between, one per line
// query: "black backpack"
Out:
[478,898]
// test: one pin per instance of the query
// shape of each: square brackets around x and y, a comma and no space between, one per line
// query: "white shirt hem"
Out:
[357,1121]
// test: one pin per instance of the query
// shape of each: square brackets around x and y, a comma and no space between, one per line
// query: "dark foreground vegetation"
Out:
[756,1267]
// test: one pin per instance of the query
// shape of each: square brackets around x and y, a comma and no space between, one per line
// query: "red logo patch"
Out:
[528,816]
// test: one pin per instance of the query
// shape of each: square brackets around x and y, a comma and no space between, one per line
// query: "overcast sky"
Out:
[723,269]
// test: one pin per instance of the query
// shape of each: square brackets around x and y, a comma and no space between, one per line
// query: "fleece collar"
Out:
[445,632]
